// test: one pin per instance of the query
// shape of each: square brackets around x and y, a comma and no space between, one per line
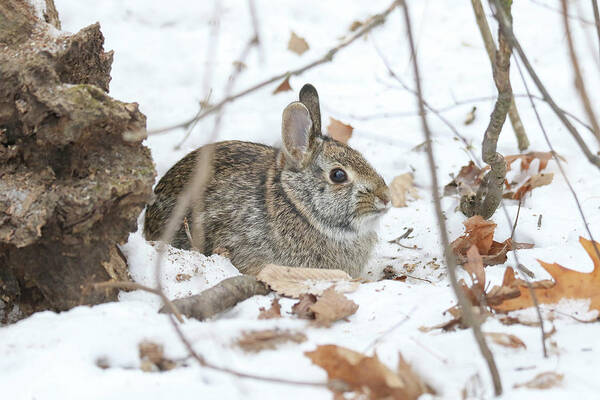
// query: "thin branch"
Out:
[506,26]
[426,104]
[375,21]
[490,47]
[136,286]
[489,194]
[558,162]
[465,304]
[556,10]
[597,20]
[579,84]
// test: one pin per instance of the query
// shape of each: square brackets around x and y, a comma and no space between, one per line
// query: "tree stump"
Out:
[73,177]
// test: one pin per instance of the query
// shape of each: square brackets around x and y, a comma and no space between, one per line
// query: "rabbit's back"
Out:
[232,194]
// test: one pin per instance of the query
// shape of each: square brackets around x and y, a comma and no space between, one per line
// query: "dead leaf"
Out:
[567,284]
[297,44]
[295,281]
[255,341]
[339,131]
[302,307]
[527,159]
[152,357]
[283,86]
[183,277]
[332,306]
[367,375]
[505,339]
[545,380]
[470,116]
[468,180]
[401,186]
[531,183]
[480,233]
[273,312]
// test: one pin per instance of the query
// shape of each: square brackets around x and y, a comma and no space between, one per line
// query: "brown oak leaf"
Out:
[339,131]
[332,306]
[566,284]
[297,44]
[367,376]
[273,312]
[255,341]
[283,86]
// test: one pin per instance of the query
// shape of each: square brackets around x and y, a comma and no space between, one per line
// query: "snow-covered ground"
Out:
[160,61]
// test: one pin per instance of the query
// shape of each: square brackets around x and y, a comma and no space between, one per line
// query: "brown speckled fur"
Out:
[264,206]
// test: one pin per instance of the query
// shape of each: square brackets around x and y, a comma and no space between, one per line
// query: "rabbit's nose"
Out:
[383,194]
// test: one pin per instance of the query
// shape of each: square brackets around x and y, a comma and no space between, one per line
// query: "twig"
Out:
[203,104]
[489,194]
[579,84]
[597,20]
[514,228]
[375,21]
[506,27]
[136,286]
[405,235]
[426,104]
[560,167]
[490,47]
[556,10]
[465,304]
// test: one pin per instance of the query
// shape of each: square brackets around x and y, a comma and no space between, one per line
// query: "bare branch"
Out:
[136,286]
[506,25]
[579,84]
[375,21]
[596,19]
[465,304]
[490,47]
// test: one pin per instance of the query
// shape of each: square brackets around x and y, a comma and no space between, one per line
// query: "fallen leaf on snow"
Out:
[401,187]
[567,284]
[545,380]
[332,306]
[505,339]
[255,341]
[183,277]
[152,357]
[367,375]
[297,44]
[294,281]
[531,183]
[273,312]
[283,86]
[339,131]
[468,180]
[480,233]
[302,307]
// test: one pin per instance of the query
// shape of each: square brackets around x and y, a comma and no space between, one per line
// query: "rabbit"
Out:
[313,203]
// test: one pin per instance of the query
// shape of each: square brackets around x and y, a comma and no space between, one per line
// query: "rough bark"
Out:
[220,297]
[489,194]
[71,188]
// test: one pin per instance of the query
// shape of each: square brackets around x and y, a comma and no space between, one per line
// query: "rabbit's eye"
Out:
[338,175]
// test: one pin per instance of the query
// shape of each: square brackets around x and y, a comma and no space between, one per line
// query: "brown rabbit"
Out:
[314,203]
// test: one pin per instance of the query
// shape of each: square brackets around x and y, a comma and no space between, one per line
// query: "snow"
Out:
[160,62]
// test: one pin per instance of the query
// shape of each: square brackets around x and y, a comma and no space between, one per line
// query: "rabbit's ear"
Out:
[297,134]
[310,98]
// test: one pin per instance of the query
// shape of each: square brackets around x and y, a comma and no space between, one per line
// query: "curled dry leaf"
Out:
[255,341]
[183,277]
[273,312]
[297,44]
[283,86]
[332,306]
[401,187]
[567,284]
[339,131]
[545,380]
[152,357]
[295,281]
[480,233]
[505,339]
[468,180]
[302,307]
[368,376]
